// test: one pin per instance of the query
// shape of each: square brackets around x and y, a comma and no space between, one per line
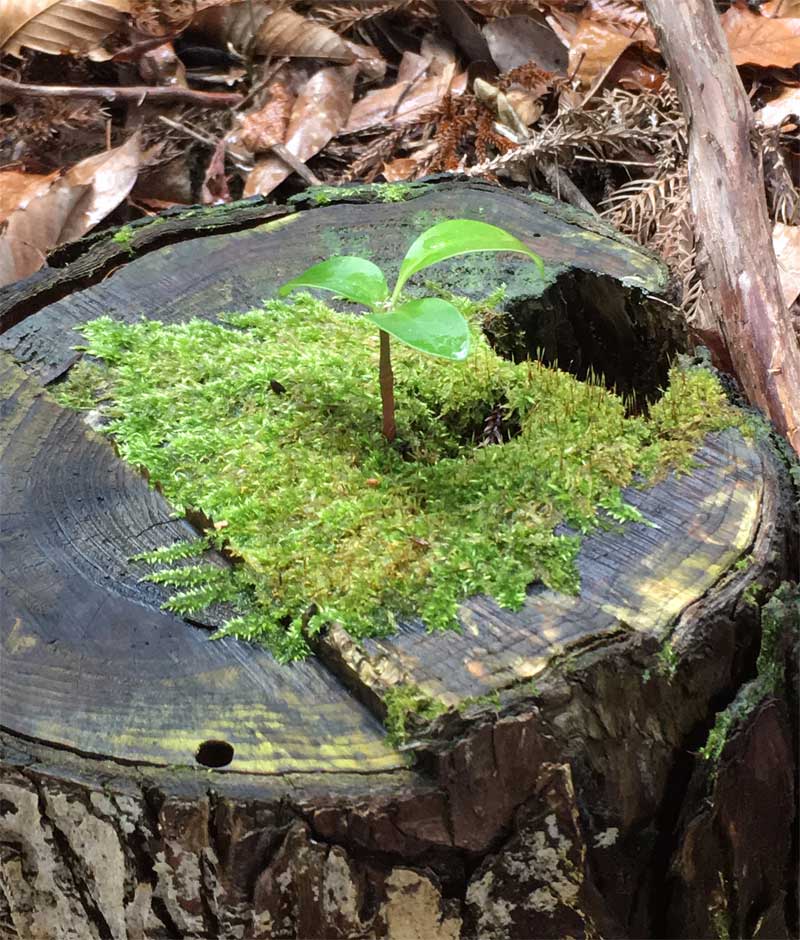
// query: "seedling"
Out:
[430,324]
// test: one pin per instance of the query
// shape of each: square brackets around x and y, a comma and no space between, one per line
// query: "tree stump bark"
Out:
[155,783]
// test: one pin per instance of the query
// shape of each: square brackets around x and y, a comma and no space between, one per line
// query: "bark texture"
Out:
[751,329]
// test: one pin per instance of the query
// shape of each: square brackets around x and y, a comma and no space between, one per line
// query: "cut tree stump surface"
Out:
[106,696]
[640,577]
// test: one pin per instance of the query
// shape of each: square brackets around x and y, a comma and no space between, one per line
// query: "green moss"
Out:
[269,424]
[124,237]
[718,906]
[376,192]
[85,387]
[667,660]
[407,708]
[780,628]
[751,594]
[325,195]
[490,698]
[337,242]
[426,218]
[393,192]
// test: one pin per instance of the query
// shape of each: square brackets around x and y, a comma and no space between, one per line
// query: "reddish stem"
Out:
[387,388]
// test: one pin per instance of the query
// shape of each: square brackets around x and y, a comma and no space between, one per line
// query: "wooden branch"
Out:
[134,93]
[735,254]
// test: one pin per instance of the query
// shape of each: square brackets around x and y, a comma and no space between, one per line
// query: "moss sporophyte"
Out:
[267,423]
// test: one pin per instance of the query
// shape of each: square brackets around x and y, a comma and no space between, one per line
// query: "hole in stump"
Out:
[214,754]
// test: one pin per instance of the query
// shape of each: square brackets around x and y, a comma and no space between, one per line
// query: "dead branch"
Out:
[749,321]
[134,93]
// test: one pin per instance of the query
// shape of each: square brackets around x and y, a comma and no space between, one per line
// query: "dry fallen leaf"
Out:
[625,16]
[594,51]
[526,104]
[762,40]
[631,71]
[786,105]
[215,184]
[439,52]
[17,189]
[286,33]
[66,209]
[781,8]
[786,242]
[400,102]
[267,29]
[409,168]
[261,129]
[77,27]
[517,40]
[371,63]
[161,66]
[412,67]
[234,24]
[165,185]
[320,112]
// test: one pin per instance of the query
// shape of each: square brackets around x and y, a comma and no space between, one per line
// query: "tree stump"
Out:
[155,783]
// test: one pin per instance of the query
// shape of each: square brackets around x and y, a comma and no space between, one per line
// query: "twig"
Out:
[135,93]
[269,74]
[206,139]
[564,188]
[283,153]
[279,150]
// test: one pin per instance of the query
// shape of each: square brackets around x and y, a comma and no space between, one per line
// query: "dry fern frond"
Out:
[619,124]
[160,17]
[627,14]
[530,77]
[504,7]
[656,211]
[369,163]
[636,206]
[58,126]
[783,196]
[344,16]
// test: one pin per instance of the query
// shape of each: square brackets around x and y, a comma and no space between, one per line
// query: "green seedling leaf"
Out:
[430,325]
[457,237]
[356,279]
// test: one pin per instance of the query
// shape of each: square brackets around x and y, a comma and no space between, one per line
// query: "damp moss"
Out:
[780,629]
[393,192]
[269,425]
[124,237]
[85,386]
[377,192]
[325,195]
[408,707]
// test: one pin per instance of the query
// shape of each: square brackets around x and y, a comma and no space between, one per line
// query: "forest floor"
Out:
[118,109]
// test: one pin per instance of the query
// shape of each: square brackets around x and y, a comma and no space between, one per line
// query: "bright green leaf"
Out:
[356,279]
[457,237]
[430,325]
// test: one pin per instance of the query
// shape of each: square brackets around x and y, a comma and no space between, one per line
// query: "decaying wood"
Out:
[549,800]
[751,327]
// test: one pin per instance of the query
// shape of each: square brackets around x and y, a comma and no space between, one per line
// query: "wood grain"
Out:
[91,663]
